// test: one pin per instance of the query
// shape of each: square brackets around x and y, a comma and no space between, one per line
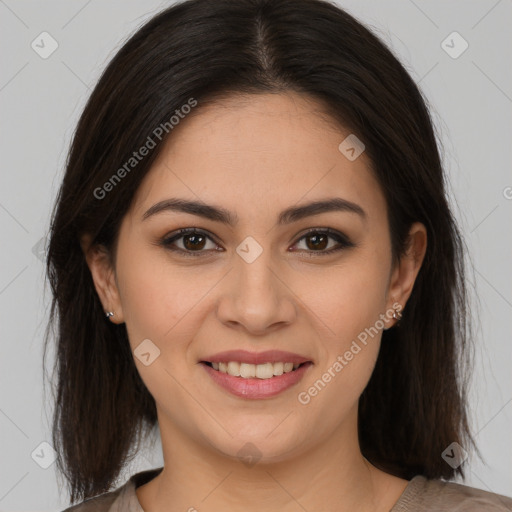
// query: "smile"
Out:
[259,371]
[255,381]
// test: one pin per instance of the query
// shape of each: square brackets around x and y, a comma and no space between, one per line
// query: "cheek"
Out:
[350,347]
[349,296]
[152,297]
[349,304]
[162,301]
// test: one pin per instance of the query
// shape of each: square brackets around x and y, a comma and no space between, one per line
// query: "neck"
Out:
[332,476]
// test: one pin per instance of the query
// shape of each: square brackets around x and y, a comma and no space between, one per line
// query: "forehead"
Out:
[256,155]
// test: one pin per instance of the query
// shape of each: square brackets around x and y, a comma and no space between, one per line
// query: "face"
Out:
[313,288]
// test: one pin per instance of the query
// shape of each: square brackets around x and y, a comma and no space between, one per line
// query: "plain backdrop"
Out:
[41,99]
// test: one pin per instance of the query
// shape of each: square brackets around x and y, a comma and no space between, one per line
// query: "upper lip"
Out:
[244,356]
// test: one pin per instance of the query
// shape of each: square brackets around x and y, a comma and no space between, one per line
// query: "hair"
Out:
[415,403]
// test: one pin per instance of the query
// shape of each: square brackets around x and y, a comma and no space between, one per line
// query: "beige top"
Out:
[420,495]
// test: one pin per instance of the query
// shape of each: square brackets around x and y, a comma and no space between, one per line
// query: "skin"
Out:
[256,156]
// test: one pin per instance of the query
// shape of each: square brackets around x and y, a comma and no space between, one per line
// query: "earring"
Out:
[397,314]
[109,314]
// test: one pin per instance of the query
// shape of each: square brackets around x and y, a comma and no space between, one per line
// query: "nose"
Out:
[256,296]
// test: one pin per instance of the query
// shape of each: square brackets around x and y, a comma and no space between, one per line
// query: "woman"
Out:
[253,249]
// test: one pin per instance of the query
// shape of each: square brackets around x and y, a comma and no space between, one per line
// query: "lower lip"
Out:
[257,388]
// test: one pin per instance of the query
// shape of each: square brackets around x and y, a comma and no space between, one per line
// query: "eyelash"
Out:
[344,242]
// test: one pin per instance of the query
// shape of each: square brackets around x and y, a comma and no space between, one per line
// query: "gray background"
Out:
[41,100]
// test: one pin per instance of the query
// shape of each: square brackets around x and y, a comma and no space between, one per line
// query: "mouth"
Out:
[250,371]
[256,376]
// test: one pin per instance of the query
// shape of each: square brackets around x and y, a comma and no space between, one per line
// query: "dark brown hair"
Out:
[415,403]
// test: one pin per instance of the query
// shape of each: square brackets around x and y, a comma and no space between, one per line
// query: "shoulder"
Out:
[424,495]
[121,499]
[101,503]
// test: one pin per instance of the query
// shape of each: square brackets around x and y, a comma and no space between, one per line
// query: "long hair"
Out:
[415,403]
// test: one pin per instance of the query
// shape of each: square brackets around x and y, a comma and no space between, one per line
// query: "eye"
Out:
[317,239]
[193,241]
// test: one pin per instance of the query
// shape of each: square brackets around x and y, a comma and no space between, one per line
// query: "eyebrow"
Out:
[288,216]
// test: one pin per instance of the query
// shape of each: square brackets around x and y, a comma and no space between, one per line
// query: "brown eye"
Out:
[193,242]
[317,241]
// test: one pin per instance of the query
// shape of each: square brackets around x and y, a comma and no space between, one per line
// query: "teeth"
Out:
[247,370]
[261,371]
[278,368]
[233,368]
[264,371]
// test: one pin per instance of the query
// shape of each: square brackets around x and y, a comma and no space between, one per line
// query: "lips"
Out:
[256,375]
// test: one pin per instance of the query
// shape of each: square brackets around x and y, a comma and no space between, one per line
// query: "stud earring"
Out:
[109,314]
[397,314]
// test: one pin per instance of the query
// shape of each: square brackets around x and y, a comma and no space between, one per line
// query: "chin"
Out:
[258,447]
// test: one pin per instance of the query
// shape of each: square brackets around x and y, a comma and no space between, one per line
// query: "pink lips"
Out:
[255,388]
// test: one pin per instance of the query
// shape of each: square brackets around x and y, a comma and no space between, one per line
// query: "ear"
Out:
[406,269]
[103,274]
